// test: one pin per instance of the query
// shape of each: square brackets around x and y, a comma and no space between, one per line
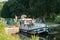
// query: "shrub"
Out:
[57,19]
[35,37]
[3,35]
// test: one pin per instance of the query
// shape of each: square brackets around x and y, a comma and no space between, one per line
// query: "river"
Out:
[26,36]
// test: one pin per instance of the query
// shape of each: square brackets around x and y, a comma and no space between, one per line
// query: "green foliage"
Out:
[10,21]
[1,5]
[57,19]
[7,37]
[34,8]
[3,35]
[35,37]
[2,26]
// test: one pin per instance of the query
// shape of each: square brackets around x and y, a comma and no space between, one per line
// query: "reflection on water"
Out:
[47,37]
[25,36]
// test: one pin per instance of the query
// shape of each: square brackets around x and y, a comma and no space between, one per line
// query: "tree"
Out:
[34,8]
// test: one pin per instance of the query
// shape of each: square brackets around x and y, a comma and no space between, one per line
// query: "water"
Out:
[43,36]
[26,36]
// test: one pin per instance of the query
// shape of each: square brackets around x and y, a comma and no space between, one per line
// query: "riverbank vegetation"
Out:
[4,36]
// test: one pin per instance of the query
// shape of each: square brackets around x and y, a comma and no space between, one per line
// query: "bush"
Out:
[57,20]
[3,35]
[35,37]
[2,26]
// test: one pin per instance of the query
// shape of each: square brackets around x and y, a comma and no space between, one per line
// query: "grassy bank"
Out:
[4,36]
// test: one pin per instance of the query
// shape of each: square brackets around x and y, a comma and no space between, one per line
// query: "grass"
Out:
[4,36]
[35,37]
[7,37]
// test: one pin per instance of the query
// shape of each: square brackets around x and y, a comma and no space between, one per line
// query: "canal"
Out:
[42,36]
[26,36]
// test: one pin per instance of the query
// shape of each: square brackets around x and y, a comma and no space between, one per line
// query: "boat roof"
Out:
[26,19]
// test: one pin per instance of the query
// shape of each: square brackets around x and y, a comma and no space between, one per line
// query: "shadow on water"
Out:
[45,36]
[27,36]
